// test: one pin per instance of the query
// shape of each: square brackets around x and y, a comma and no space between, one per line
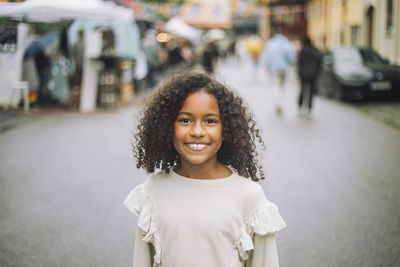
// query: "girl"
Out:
[201,209]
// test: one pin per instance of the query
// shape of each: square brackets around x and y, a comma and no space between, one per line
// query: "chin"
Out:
[196,161]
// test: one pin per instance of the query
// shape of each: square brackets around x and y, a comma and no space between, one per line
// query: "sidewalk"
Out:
[11,118]
[386,112]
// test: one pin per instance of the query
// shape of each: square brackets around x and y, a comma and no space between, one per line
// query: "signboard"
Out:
[207,13]
[8,38]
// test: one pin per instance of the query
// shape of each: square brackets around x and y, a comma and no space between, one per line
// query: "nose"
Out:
[197,129]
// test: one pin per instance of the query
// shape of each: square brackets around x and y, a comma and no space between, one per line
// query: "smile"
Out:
[196,147]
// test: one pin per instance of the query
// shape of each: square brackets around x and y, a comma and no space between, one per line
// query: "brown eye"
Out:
[211,121]
[184,120]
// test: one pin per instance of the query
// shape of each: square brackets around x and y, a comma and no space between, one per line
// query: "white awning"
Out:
[178,27]
[55,10]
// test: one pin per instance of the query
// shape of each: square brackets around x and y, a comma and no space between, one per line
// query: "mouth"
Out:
[196,146]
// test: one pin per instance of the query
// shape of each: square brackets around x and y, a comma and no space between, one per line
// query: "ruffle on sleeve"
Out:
[139,202]
[266,220]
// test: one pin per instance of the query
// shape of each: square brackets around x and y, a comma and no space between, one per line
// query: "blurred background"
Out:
[321,76]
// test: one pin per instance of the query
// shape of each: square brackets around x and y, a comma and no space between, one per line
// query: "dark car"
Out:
[351,73]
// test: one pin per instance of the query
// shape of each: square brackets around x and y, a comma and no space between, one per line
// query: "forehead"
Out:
[200,102]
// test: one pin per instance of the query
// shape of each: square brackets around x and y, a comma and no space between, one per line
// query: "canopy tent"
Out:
[55,10]
[215,34]
[178,27]
[87,15]
[106,13]
[127,40]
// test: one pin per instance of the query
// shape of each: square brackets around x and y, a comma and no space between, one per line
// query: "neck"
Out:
[216,171]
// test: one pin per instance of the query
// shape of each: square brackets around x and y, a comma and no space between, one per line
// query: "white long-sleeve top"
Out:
[184,222]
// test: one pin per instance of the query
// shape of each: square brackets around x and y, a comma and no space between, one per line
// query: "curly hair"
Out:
[153,143]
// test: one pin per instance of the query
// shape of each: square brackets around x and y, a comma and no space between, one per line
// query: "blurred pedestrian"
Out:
[193,129]
[77,53]
[278,55]
[309,63]
[232,48]
[43,63]
[174,49]
[63,42]
[210,56]
[179,55]
[151,48]
[254,46]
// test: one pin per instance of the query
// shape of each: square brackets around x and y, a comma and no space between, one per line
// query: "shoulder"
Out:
[157,177]
[250,191]
[141,194]
[154,182]
[249,186]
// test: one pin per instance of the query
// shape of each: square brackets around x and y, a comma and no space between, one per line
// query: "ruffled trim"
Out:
[139,202]
[267,220]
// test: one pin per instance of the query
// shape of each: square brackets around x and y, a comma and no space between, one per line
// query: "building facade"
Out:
[334,22]
[367,23]
[381,31]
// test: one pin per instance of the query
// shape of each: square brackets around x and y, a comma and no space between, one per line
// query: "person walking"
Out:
[43,64]
[309,64]
[278,55]
[210,56]
[77,53]
[254,46]
[151,48]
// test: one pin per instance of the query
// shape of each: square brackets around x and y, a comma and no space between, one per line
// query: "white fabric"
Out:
[203,222]
[265,254]
[55,10]
[177,26]
[141,66]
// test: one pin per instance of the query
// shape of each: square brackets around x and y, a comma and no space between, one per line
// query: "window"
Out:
[355,30]
[389,17]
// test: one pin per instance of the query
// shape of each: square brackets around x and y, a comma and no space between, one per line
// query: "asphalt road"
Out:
[335,177]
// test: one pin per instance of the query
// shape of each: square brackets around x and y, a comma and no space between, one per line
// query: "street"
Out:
[335,177]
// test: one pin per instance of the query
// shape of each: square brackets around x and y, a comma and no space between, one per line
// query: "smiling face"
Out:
[198,131]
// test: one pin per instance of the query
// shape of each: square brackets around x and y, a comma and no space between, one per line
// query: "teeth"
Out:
[197,146]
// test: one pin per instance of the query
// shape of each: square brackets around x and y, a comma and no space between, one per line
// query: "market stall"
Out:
[105,13]
[111,49]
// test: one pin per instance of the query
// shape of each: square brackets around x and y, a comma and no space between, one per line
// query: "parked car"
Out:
[351,74]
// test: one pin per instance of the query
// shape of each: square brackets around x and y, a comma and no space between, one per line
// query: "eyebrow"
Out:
[190,114]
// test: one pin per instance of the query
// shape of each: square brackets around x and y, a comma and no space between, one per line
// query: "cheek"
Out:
[179,133]
[176,134]
[216,134]
[175,141]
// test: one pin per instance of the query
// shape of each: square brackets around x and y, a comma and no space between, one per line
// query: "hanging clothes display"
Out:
[61,70]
